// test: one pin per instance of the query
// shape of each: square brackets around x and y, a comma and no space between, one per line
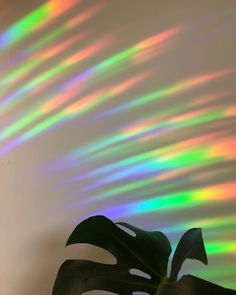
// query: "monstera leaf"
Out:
[191,246]
[146,251]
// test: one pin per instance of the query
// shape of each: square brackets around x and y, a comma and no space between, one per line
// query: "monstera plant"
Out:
[142,259]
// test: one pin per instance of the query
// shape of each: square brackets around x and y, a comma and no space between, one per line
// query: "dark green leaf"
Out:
[78,276]
[135,252]
[156,242]
[145,252]
[191,246]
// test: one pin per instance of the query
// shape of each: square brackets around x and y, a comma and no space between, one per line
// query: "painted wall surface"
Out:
[124,108]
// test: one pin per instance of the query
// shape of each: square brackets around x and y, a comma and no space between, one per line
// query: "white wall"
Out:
[185,134]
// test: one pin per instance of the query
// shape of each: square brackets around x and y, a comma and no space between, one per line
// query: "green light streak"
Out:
[217,272]
[19,124]
[35,62]
[151,96]
[123,189]
[22,70]
[50,37]
[25,26]
[104,65]
[189,158]
[42,126]
[228,283]
[216,248]
[47,75]
[210,223]
[168,202]
[201,119]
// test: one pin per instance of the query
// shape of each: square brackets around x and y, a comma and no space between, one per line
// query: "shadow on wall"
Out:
[48,253]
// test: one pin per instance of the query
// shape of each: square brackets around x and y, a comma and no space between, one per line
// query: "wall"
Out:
[123,108]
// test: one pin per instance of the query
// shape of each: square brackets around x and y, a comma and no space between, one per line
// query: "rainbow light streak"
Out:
[95,70]
[114,91]
[30,65]
[87,52]
[175,89]
[142,170]
[33,21]
[10,99]
[48,123]
[180,201]
[48,53]
[228,283]
[123,56]
[85,15]
[227,279]
[214,248]
[85,103]
[51,36]
[176,156]
[196,119]
[168,155]
[74,109]
[163,154]
[221,247]
[23,28]
[216,272]
[56,102]
[126,188]
[150,53]
[159,166]
[19,74]
[206,223]
[149,130]
[33,116]
[50,73]
[25,70]
[116,165]
[105,65]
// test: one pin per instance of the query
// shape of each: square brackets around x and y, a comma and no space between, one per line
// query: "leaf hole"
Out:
[127,230]
[91,253]
[140,273]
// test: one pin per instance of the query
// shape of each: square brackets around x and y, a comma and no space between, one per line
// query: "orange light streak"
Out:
[210,97]
[189,116]
[129,83]
[205,78]
[58,101]
[49,53]
[82,17]
[150,53]
[57,7]
[226,149]
[231,111]
[84,102]
[214,193]
[172,174]
[87,52]
[159,38]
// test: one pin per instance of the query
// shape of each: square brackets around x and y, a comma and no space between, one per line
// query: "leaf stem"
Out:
[163,282]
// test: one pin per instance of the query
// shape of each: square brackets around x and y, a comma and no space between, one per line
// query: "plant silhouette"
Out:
[147,251]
